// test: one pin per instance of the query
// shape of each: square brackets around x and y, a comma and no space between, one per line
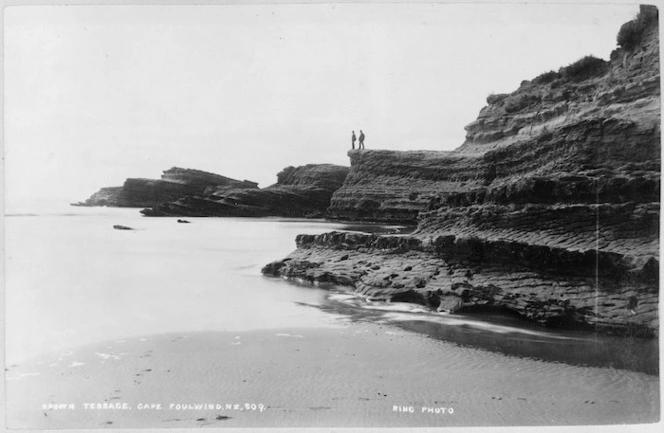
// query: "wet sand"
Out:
[364,375]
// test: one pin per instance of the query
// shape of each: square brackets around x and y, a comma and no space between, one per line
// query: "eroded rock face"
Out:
[562,136]
[549,285]
[109,196]
[395,186]
[550,208]
[303,191]
[174,183]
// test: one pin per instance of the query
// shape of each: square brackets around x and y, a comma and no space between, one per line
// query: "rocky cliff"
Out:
[174,183]
[550,208]
[395,186]
[303,191]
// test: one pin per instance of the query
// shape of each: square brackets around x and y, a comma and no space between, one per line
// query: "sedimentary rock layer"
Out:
[303,191]
[447,273]
[174,183]
[596,120]
[395,186]
[550,208]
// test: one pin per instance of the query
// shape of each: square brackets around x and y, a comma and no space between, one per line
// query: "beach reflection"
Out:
[504,333]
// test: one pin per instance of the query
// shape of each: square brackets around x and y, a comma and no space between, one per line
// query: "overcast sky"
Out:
[96,94]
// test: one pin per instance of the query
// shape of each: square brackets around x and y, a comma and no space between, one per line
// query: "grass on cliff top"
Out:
[584,68]
[631,32]
[546,77]
[629,36]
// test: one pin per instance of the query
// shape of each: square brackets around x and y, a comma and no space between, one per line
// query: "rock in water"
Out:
[121,227]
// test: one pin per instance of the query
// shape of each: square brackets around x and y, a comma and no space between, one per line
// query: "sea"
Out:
[73,284]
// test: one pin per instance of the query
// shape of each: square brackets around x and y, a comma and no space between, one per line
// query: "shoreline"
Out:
[346,377]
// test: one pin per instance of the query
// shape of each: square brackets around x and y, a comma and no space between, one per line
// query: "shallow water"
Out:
[72,279]
[505,334]
[73,282]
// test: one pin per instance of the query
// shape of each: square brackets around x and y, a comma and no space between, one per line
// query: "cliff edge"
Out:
[550,208]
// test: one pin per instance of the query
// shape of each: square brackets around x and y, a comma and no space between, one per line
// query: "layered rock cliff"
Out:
[174,183]
[303,191]
[550,208]
[395,186]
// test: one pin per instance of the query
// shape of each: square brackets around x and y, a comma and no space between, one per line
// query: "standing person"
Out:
[352,140]
[361,145]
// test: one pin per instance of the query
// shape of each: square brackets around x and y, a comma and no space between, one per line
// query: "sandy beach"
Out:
[346,377]
[194,238]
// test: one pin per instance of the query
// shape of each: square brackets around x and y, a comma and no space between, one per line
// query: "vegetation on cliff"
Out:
[631,33]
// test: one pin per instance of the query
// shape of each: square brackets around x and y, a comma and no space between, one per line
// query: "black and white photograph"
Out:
[331,215]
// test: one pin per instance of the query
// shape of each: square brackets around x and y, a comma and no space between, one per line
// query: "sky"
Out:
[96,94]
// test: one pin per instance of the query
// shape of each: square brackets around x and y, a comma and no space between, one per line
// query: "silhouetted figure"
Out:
[352,140]
[361,145]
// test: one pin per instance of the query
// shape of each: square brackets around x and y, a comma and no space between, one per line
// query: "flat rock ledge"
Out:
[598,291]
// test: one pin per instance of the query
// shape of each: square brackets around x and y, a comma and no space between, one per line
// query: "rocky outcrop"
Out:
[303,191]
[174,183]
[395,186]
[121,227]
[108,196]
[447,273]
[550,208]
[593,119]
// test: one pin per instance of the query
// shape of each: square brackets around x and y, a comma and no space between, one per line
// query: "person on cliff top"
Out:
[352,141]
[361,145]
